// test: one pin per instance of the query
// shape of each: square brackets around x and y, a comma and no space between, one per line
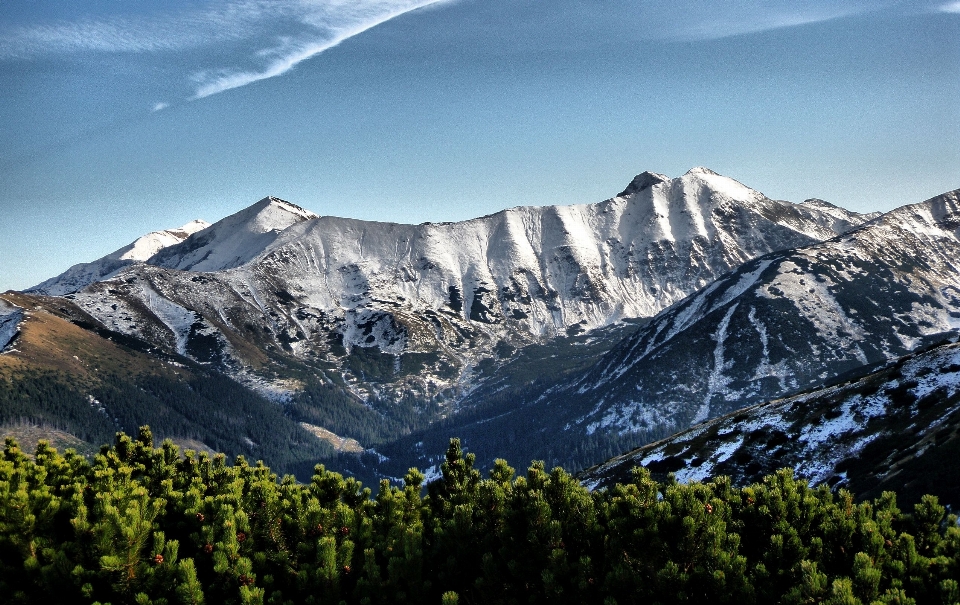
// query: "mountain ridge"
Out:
[905,260]
[391,333]
[451,292]
[782,323]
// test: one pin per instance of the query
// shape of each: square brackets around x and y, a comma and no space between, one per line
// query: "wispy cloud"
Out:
[296,30]
[331,23]
[705,21]
[124,33]
[159,106]
[226,44]
[950,7]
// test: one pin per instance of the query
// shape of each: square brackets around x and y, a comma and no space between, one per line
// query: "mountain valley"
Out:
[563,333]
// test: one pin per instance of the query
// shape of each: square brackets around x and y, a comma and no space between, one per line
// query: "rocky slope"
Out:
[415,309]
[10,317]
[894,429]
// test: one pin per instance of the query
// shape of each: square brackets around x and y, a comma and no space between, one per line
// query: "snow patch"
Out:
[177,319]
[717,382]
[10,317]
[704,471]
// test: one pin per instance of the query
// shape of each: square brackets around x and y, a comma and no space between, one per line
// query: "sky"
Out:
[118,118]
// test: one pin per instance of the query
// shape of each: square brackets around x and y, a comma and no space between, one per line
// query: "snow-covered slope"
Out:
[10,317]
[83,274]
[898,428]
[442,297]
[782,323]
[235,240]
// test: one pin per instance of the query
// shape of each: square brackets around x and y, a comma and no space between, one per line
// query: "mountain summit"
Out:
[235,240]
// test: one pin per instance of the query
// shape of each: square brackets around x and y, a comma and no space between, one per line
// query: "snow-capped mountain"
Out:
[895,429]
[84,274]
[782,323]
[439,298]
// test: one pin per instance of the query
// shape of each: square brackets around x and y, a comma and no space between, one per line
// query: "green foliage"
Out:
[370,422]
[145,524]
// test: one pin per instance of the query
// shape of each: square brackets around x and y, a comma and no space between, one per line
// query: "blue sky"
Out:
[119,118]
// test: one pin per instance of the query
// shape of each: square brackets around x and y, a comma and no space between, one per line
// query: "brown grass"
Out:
[27,435]
[341,444]
[48,341]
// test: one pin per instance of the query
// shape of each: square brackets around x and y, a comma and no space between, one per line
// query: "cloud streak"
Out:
[331,27]
[692,20]
[227,44]
[121,33]
[299,30]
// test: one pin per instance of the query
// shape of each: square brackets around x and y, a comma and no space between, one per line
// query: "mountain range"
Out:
[566,333]
[439,297]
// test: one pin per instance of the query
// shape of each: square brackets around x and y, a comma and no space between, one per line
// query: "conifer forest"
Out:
[144,524]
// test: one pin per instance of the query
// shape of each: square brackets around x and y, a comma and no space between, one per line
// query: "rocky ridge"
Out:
[422,305]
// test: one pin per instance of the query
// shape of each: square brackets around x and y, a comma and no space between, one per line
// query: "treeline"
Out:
[141,524]
[370,422]
[200,405]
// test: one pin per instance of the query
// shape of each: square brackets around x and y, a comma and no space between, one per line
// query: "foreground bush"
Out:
[148,525]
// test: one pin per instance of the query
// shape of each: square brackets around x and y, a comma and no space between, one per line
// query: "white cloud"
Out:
[160,106]
[694,21]
[332,22]
[950,7]
[300,29]
[243,41]
[122,33]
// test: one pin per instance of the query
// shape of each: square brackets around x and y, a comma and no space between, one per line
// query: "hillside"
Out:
[896,429]
[66,375]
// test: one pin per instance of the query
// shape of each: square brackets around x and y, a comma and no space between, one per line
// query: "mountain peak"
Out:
[285,205]
[144,247]
[643,181]
[702,170]
[181,233]
[234,240]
